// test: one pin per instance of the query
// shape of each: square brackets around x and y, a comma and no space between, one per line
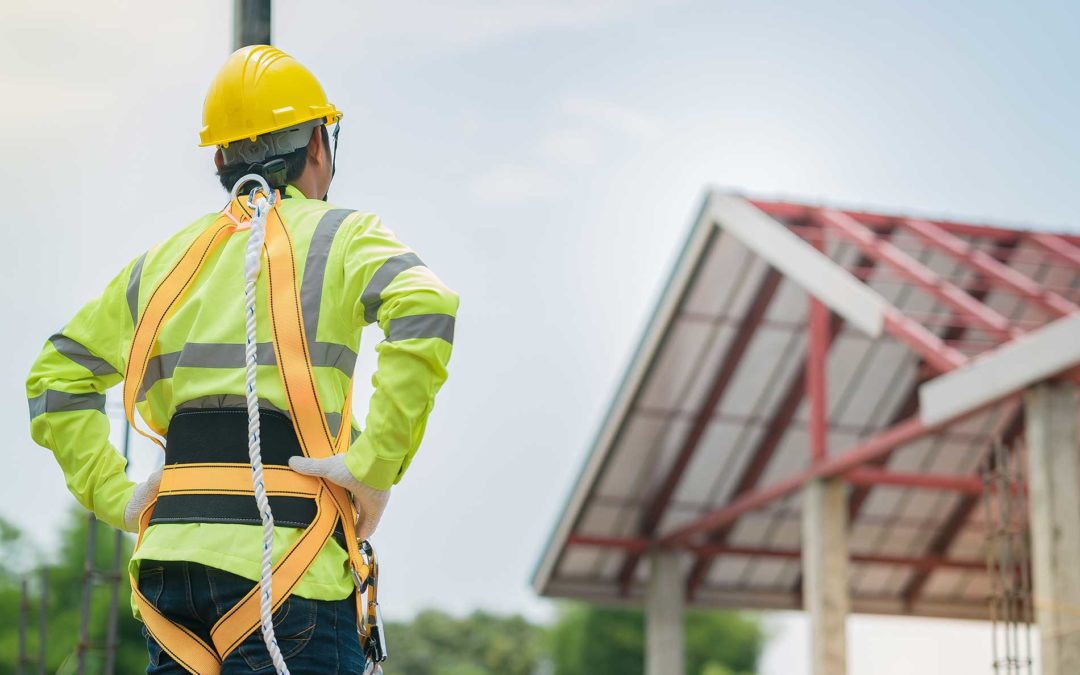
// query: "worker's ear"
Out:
[317,151]
[219,159]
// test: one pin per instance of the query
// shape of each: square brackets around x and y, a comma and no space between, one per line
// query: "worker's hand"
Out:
[369,502]
[145,493]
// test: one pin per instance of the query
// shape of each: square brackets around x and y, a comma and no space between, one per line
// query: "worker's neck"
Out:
[308,182]
[307,190]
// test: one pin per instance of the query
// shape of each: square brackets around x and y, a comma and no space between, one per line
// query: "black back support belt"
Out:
[220,435]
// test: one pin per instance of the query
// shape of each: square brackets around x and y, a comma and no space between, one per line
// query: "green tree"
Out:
[64,600]
[591,640]
[436,643]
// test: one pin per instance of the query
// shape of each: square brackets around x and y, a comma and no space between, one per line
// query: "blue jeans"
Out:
[315,636]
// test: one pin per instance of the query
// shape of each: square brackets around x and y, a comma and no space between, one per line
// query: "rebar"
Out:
[111,642]
[88,583]
[1008,561]
[43,620]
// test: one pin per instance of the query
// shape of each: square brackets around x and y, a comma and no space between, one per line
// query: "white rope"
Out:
[252,259]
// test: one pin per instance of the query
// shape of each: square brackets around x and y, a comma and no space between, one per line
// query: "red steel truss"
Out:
[940,342]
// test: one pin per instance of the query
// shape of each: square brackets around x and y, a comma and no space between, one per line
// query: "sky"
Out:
[544,159]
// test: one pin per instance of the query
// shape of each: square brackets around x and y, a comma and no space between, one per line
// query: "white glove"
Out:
[145,493]
[369,502]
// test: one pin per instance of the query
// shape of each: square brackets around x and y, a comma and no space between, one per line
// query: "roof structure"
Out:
[792,342]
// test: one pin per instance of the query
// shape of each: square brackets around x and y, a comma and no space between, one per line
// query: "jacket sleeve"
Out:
[385,282]
[66,390]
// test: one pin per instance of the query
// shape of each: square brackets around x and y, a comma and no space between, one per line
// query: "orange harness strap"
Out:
[298,382]
[181,644]
[161,305]
[235,479]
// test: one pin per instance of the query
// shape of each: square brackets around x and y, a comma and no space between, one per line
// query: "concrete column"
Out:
[825,573]
[664,604]
[1054,502]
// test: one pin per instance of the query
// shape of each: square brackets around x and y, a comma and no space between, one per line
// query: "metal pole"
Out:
[251,23]
[88,583]
[114,580]
[43,620]
[24,612]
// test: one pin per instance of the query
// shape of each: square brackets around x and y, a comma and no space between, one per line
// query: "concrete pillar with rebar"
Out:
[1054,502]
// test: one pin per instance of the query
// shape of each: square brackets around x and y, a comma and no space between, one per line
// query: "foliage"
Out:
[606,641]
[586,640]
[435,643]
[65,582]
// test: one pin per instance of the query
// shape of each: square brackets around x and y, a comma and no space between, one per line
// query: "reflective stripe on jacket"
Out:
[353,272]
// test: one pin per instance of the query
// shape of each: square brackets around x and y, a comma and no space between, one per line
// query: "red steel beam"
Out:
[929,320]
[858,497]
[639,544]
[880,221]
[868,450]
[952,333]
[922,563]
[924,342]
[654,512]
[812,233]
[1057,246]
[855,429]
[784,414]
[934,351]
[783,418]
[1009,427]
[869,477]
[990,267]
[926,279]
[762,454]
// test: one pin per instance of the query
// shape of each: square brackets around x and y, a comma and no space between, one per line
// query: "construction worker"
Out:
[200,547]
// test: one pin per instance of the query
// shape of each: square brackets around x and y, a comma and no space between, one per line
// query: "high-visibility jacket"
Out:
[353,271]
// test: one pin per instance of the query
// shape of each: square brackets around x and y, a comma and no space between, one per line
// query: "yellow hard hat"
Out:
[261,89]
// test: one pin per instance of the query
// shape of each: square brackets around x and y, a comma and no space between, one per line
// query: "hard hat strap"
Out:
[333,155]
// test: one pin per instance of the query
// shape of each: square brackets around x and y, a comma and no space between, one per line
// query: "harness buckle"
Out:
[367,554]
[375,649]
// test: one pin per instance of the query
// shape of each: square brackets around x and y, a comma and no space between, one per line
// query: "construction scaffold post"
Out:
[91,577]
[43,620]
[24,617]
[83,649]
[24,660]
[111,640]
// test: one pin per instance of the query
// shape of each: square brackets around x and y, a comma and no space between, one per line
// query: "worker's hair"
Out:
[295,162]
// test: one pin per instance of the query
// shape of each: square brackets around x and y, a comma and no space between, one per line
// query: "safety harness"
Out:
[323,508]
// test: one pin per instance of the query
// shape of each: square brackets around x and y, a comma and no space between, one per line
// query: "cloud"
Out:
[613,116]
[571,147]
[435,26]
[511,183]
[590,127]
